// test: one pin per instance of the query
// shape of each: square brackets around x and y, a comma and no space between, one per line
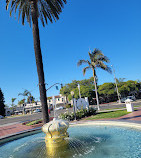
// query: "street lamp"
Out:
[56,86]
[79,90]
[54,98]
[74,107]
[116,84]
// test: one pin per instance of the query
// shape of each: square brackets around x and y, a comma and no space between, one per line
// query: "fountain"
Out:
[56,132]
[88,140]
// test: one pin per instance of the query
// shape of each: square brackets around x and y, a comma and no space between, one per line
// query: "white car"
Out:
[1,117]
[131,97]
[37,110]
[129,100]
[59,108]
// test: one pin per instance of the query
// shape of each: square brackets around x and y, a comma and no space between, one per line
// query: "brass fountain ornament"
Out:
[56,134]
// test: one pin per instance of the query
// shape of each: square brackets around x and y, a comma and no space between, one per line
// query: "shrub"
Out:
[79,114]
[67,116]
[68,106]
[33,122]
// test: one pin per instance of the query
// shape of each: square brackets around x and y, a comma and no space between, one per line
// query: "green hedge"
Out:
[79,114]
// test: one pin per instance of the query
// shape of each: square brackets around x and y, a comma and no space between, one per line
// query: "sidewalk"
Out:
[13,128]
[10,129]
[134,116]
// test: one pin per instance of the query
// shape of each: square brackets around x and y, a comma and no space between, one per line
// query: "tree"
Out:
[107,92]
[21,102]
[2,106]
[97,60]
[120,80]
[26,93]
[30,99]
[65,91]
[13,100]
[33,10]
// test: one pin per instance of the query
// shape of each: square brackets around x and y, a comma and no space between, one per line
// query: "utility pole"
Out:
[116,84]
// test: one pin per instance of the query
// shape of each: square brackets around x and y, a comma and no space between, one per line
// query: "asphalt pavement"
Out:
[25,118]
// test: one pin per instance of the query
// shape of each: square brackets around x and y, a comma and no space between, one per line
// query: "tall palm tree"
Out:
[46,10]
[97,60]
[13,100]
[26,93]
[120,80]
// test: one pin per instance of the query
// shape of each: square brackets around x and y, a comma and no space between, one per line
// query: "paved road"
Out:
[21,118]
[116,105]
[39,115]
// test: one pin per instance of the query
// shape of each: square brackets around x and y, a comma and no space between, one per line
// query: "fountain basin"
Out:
[85,141]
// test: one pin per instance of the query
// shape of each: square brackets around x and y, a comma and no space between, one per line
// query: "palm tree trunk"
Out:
[39,63]
[96,90]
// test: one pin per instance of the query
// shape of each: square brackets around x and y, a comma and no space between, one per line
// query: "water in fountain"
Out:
[84,141]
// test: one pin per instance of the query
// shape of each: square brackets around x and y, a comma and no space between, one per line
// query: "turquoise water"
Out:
[84,141]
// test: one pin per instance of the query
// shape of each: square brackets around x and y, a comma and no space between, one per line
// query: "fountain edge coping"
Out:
[22,134]
[18,135]
[109,123]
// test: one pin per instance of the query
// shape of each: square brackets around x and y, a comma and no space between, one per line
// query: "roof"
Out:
[57,96]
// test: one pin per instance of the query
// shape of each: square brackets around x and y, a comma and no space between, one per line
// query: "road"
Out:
[39,115]
[21,118]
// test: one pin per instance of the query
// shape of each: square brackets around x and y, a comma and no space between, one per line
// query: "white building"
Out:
[59,100]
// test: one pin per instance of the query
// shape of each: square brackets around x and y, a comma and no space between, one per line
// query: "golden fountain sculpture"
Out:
[56,134]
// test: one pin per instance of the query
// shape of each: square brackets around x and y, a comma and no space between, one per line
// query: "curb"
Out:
[18,135]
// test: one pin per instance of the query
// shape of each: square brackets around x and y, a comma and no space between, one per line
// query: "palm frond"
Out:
[96,52]
[85,69]
[80,62]
[104,67]
[46,9]
[93,64]
[104,59]
[20,94]
[95,55]
[97,59]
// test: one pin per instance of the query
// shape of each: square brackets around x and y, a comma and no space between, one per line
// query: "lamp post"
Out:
[54,85]
[116,84]
[79,90]
[74,108]
[54,98]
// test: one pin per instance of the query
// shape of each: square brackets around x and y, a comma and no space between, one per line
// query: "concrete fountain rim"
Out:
[19,135]
[108,123]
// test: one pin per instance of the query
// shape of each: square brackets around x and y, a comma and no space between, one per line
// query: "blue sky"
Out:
[112,26]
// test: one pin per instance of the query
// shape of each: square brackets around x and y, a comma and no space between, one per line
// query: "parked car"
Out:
[37,110]
[1,117]
[122,100]
[60,108]
[20,113]
[131,97]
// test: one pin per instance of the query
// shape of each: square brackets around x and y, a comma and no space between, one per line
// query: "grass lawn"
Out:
[111,114]
[136,106]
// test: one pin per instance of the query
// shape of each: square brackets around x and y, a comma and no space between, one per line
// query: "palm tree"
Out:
[46,10]
[120,80]
[26,93]
[97,60]
[12,100]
